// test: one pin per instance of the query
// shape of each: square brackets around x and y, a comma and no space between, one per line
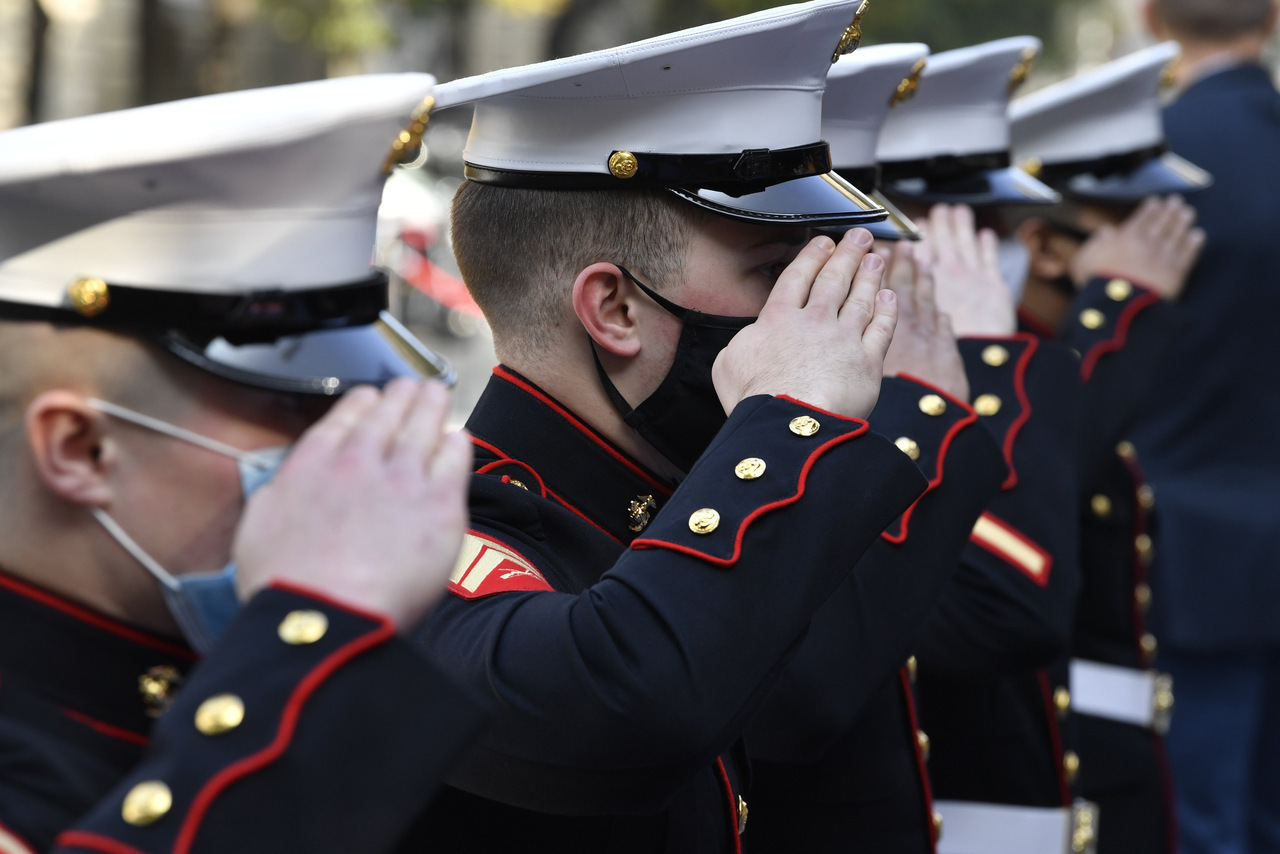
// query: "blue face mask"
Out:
[202,603]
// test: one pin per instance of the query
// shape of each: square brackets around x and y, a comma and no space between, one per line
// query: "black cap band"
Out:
[1058,175]
[944,167]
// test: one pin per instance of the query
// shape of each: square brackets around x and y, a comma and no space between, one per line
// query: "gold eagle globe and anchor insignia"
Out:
[1022,70]
[158,686]
[640,511]
[407,144]
[852,36]
[907,88]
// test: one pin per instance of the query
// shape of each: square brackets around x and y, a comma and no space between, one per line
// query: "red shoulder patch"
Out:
[487,566]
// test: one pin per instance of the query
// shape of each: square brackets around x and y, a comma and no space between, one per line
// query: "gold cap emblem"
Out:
[1022,70]
[89,297]
[640,511]
[852,35]
[1033,166]
[623,164]
[1169,74]
[406,145]
[907,88]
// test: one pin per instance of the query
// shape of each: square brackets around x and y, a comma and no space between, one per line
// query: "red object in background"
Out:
[442,286]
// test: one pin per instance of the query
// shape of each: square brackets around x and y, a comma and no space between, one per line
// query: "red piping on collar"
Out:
[497,464]
[901,536]
[1117,341]
[502,373]
[926,791]
[758,512]
[93,842]
[97,620]
[107,729]
[288,722]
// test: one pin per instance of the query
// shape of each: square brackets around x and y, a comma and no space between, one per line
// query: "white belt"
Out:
[969,827]
[1140,697]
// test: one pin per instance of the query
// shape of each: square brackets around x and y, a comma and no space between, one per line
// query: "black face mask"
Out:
[683,414]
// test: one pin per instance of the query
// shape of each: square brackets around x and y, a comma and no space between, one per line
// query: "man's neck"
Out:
[1200,59]
[1045,303]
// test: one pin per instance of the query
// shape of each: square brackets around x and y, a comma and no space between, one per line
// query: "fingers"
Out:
[451,465]
[793,286]
[925,286]
[940,234]
[965,242]
[415,444]
[376,433]
[859,306]
[989,250]
[879,332]
[900,276]
[332,431]
[1189,247]
[831,288]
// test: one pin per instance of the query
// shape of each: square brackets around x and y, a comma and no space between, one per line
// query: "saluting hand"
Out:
[369,507]
[1155,246]
[923,344]
[966,266]
[822,335]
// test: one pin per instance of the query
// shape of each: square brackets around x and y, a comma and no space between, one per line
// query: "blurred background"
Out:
[63,58]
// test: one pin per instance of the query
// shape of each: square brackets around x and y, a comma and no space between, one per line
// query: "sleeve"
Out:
[1011,601]
[310,727]
[1121,330]
[855,642]
[608,700]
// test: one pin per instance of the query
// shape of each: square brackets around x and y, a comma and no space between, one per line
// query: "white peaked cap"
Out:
[862,88]
[1111,109]
[730,106]
[960,106]
[237,230]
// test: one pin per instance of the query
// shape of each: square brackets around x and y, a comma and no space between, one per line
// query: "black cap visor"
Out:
[825,199]
[322,362]
[1005,186]
[1160,176]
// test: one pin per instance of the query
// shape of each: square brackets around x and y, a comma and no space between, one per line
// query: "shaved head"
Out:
[1215,20]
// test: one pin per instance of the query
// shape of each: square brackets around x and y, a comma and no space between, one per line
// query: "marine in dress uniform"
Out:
[627,623]
[1099,139]
[986,701]
[200,228]
[838,756]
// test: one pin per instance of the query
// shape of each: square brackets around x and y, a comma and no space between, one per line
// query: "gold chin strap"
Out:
[406,145]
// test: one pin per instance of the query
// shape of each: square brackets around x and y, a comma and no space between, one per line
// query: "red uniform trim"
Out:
[93,842]
[107,729]
[913,721]
[341,605]
[503,373]
[1117,341]
[733,805]
[901,535]
[1020,388]
[507,461]
[755,514]
[93,618]
[1055,735]
[821,410]
[284,734]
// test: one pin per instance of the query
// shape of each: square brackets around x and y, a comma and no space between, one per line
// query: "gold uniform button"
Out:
[1071,765]
[937,825]
[1062,701]
[994,355]
[1149,648]
[704,521]
[1101,505]
[911,668]
[908,446]
[220,713]
[1127,451]
[1091,318]
[987,404]
[1119,290]
[1142,596]
[804,425]
[922,740]
[1143,546]
[750,468]
[303,627]
[146,803]
[933,404]
[1146,496]
[742,815]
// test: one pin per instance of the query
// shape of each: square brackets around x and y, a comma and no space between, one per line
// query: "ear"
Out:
[606,302]
[68,449]
[1151,18]
[1048,261]
[1272,16]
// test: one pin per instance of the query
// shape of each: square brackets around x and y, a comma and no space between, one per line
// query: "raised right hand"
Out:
[369,507]
[1155,246]
[819,338]
[923,344]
